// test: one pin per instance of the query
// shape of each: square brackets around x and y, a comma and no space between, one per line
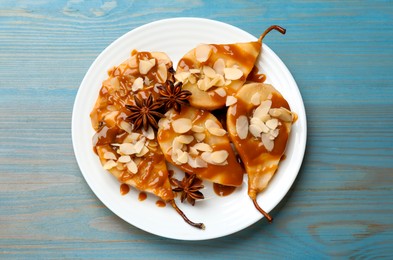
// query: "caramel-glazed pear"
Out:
[214,71]
[259,124]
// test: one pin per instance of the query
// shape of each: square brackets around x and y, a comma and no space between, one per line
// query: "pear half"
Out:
[214,71]
[259,124]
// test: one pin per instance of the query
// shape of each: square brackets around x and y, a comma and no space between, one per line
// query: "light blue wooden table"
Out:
[341,55]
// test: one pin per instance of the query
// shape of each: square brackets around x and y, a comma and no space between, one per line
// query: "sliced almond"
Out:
[281,113]
[262,109]
[109,164]
[185,139]
[146,65]
[196,162]
[182,157]
[127,149]
[124,159]
[255,130]
[217,81]
[164,123]
[195,71]
[176,145]
[272,123]
[143,152]
[203,52]
[260,124]
[219,66]
[126,126]
[242,127]
[221,92]
[211,124]
[199,136]
[137,85]
[192,79]
[149,134]
[198,129]
[267,142]
[230,101]
[132,167]
[204,147]
[256,99]
[193,151]
[274,132]
[219,156]
[139,145]
[232,73]
[162,73]
[110,156]
[217,131]
[206,156]
[182,125]
[209,72]
[182,76]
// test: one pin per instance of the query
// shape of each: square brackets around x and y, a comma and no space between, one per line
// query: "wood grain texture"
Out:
[341,55]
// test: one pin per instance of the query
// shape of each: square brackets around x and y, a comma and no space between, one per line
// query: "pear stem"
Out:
[197,225]
[266,215]
[273,27]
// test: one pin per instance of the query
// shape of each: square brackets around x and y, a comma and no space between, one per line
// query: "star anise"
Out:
[144,113]
[173,96]
[189,188]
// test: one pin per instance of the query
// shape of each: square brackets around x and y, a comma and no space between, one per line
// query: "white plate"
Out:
[221,215]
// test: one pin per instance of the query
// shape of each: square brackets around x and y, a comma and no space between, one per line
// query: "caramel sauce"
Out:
[255,76]
[222,190]
[142,196]
[160,203]
[124,189]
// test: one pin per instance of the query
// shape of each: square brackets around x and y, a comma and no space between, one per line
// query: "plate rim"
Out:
[196,20]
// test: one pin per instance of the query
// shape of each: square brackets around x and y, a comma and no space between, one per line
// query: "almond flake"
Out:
[255,130]
[162,73]
[176,145]
[132,167]
[149,134]
[195,71]
[110,156]
[182,76]
[193,151]
[217,81]
[256,99]
[185,139]
[137,85]
[192,79]
[126,126]
[206,156]
[233,73]
[221,92]
[199,136]
[219,66]
[164,123]
[260,124]
[263,109]
[127,149]
[198,129]
[203,52]
[272,123]
[182,157]
[281,113]
[109,165]
[182,125]
[274,132]
[217,131]
[211,124]
[269,144]
[242,127]
[124,159]
[230,101]
[139,145]
[196,162]
[209,72]
[144,151]
[204,147]
[146,65]
[219,156]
